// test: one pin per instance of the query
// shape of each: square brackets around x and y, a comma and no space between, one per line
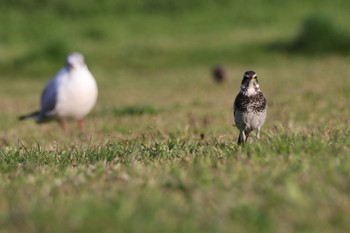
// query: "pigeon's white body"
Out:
[76,94]
[72,93]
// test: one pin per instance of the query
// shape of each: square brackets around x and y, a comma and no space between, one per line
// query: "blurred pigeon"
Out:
[71,94]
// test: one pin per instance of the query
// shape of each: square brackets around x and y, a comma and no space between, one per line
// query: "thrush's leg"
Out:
[246,136]
[241,138]
[258,133]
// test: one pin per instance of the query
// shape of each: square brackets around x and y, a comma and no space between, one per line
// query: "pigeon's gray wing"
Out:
[49,97]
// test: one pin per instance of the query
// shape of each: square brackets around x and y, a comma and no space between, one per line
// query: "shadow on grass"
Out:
[318,35]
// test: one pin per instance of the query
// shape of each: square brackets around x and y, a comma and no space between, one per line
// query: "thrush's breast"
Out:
[254,103]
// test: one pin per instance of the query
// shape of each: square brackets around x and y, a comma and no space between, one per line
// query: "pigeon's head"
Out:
[75,60]
[250,81]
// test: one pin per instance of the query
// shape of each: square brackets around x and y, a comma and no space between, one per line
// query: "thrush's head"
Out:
[75,60]
[250,82]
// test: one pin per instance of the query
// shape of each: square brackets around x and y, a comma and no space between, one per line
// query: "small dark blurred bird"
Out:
[219,74]
[249,108]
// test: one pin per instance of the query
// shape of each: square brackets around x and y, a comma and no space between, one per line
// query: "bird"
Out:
[249,108]
[219,74]
[70,94]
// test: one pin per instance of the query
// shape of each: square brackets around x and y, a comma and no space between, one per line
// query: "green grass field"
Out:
[159,153]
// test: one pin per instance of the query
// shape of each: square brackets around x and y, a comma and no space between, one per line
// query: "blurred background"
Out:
[160,152]
[154,62]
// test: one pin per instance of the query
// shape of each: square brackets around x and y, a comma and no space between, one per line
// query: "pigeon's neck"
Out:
[76,69]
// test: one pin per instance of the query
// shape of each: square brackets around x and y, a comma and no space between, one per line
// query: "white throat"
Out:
[250,90]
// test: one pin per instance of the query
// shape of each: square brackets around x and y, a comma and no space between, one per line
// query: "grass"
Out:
[134,110]
[179,185]
[159,151]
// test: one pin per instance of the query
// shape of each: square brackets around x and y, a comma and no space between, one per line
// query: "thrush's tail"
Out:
[30,115]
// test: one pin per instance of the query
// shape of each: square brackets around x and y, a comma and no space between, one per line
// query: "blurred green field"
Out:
[159,153]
